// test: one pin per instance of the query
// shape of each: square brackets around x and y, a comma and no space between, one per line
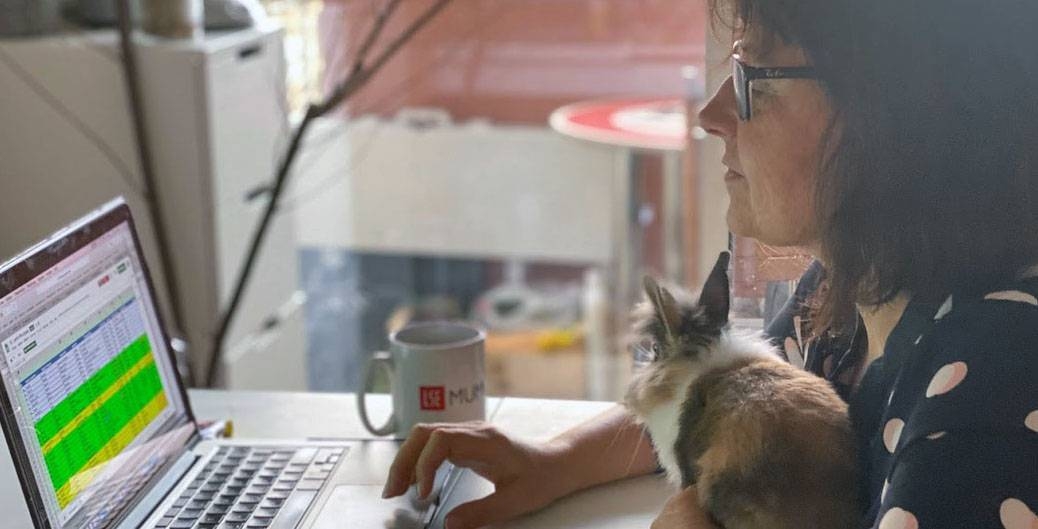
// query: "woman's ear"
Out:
[715,297]
[666,307]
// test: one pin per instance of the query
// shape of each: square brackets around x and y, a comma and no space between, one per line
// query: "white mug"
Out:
[436,374]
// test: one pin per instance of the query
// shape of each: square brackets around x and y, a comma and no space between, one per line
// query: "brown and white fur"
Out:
[766,444]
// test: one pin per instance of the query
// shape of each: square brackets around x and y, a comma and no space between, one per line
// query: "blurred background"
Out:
[519,163]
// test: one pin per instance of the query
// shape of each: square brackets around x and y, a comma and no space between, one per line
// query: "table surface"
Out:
[627,504]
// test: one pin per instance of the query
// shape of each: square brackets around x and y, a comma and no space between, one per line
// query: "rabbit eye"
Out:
[655,351]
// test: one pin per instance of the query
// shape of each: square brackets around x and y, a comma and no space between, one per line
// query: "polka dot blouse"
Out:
[947,419]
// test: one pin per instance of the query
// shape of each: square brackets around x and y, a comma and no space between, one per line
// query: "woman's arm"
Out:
[606,448]
[526,476]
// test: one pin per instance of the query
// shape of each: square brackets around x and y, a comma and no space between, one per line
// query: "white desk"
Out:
[628,504]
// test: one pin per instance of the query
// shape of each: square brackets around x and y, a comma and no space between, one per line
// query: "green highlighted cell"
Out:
[75,432]
[83,396]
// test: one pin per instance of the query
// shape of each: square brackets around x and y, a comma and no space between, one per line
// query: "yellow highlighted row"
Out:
[111,449]
[141,364]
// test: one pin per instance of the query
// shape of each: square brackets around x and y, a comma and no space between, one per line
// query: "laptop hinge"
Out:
[154,497]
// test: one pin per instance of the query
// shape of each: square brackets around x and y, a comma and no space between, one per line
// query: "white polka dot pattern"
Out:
[946,379]
[1013,295]
[946,307]
[1031,421]
[898,518]
[892,433]
[796,358]
[1016,515]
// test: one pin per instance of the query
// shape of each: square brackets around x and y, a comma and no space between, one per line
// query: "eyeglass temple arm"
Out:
[795,72]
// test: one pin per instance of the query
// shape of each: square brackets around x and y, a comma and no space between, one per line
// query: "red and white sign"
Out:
[432,398]
[654,124]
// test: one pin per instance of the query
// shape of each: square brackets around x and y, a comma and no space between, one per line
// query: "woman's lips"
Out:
[732,175]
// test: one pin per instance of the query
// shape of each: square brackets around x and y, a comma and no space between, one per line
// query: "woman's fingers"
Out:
[427,447]
[467,446]
[401,472]
[436,451]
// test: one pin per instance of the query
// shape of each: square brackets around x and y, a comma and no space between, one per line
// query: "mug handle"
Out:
[384,360]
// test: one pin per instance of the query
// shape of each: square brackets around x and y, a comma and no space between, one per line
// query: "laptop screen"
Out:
[91,393]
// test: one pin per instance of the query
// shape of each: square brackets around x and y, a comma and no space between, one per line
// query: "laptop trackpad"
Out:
[362,507]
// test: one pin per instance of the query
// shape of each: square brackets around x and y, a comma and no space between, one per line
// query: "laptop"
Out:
[100,429]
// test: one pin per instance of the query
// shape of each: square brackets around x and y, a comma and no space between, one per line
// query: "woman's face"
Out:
[773,158]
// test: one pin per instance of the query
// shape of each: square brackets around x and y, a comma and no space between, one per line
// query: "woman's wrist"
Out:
[563,464]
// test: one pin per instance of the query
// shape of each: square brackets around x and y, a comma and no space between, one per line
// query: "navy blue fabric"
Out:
[947,418]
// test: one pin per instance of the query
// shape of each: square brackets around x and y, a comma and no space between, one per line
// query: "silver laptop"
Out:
[100,429]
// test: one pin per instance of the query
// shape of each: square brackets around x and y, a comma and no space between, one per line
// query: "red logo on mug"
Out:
[432,397]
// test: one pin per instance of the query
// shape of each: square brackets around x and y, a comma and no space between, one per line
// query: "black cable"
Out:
[154,205]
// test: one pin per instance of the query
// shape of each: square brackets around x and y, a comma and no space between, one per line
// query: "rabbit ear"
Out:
[714,298]
[666,307]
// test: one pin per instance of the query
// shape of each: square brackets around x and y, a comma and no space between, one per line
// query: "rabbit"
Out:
[767,445]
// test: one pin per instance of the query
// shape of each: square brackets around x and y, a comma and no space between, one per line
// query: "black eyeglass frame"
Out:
[743,74]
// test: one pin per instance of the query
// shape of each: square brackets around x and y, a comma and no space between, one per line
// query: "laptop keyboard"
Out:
[253,488]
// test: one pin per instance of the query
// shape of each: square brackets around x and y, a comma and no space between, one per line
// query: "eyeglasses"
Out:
[743,74]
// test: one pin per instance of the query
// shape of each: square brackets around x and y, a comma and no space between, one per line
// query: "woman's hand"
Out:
[526,477]
[682,511]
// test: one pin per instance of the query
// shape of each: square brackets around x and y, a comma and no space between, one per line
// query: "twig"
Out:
[150,193]
[356,79]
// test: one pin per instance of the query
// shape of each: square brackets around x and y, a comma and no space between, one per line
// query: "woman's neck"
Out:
[879,321]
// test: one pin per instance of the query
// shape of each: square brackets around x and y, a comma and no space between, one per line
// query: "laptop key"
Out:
[258,523]
[182,524]
[190,514]
[316,474]
[212,518]
[272,502]
[219,509]
[304,455]
[232,525]
[264,512]
[244,508]
[237,517]
[294,509]
[249,499]
[163,522]
[310,484]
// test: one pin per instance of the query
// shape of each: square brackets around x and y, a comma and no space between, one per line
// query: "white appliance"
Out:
[217,120]
[419,184]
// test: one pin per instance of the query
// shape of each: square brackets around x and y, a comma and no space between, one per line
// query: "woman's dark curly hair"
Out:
[929,179]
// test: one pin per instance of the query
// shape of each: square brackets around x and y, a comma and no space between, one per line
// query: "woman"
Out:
[898,141]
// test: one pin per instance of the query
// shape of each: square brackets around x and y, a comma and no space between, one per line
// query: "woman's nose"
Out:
[719,117]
